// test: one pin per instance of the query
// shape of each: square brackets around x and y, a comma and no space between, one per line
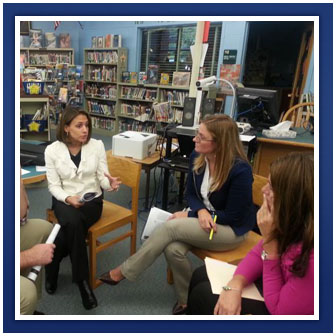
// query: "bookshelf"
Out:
[138,107]
[103,68]
[28,108]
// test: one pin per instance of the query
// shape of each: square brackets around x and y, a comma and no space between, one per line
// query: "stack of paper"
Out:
[220,273]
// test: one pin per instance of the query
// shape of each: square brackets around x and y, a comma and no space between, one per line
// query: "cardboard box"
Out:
[137,145]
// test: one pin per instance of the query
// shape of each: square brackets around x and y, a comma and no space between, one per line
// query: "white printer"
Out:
[137,145]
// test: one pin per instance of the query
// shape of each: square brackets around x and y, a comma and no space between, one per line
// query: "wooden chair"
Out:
[300,114]
[113,216]
[235,255]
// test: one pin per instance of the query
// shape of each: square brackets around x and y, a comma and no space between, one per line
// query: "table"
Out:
[268,149]
[147,165]
[33,176]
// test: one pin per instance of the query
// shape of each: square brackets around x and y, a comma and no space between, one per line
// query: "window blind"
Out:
[169,48]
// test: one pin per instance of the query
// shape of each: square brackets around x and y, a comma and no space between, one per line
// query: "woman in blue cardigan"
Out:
[219,185]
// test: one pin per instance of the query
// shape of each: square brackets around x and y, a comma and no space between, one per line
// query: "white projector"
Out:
[136,145]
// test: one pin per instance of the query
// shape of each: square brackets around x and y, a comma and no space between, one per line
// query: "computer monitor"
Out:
[259,107]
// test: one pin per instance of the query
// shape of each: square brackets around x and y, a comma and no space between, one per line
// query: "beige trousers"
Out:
[35,231]
[175,238]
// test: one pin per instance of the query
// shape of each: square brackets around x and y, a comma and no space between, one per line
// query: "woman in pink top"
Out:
[282,264]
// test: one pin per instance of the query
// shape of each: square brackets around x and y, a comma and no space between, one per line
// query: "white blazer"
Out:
[65,179]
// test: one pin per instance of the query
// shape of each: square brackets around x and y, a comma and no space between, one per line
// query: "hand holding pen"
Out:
[212,227]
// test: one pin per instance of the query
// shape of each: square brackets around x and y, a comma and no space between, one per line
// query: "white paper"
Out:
[155,218]
[220,273]
[246,138]
[24,171]
[41,169]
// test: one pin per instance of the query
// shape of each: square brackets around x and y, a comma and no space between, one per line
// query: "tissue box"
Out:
[137,145]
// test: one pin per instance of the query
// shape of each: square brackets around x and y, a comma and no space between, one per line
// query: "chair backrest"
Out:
[297,115]
[129,173]
[258,183]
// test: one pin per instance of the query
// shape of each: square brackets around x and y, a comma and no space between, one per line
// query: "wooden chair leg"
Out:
[93,260]
[170,278]
[133,238]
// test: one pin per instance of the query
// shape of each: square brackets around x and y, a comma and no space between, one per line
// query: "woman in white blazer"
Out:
[76,164]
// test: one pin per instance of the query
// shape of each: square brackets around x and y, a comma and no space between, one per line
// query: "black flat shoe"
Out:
[88,298]
[50,286]
[178,309]
[107,279]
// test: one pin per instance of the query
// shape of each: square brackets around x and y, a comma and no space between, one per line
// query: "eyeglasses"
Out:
[200,137]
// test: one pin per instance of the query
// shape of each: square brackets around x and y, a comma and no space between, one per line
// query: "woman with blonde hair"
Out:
[282,264]
[219,185]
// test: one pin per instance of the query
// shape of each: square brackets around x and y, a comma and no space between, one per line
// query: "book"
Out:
[181,78]
[230,72]
[134,77]
[63,95]
[50,40]
[142,77]
[65,40]
[108,40]
[116,41]
[93,42]
[125,76]
[100,42]
[155,218]
[164,79]
[152,74]
[220,273]
[36,37]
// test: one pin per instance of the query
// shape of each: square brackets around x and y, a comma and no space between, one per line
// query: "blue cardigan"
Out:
[232,202]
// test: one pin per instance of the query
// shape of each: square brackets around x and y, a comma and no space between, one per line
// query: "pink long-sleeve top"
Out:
[284,292]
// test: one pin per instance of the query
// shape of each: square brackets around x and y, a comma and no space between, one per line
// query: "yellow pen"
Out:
[212,231]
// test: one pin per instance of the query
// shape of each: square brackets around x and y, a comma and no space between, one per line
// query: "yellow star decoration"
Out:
[34,126]
[34,89]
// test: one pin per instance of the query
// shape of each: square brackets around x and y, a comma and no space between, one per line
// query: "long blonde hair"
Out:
[224,132]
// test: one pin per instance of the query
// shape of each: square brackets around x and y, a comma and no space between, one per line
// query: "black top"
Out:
[76,158]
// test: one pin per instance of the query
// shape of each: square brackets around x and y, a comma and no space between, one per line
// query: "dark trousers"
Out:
[201,301]
[70,240]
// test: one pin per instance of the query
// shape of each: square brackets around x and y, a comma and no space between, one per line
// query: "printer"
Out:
[136,145]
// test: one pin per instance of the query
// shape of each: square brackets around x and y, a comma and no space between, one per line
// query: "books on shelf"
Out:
[128,92]
[164,79]
[102,123]
[174,97]
[65,40]
[163,112]
[102,57]
[181,78]
[102,73]
[152,74]
[138,126]
[101,91]
[104,109]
